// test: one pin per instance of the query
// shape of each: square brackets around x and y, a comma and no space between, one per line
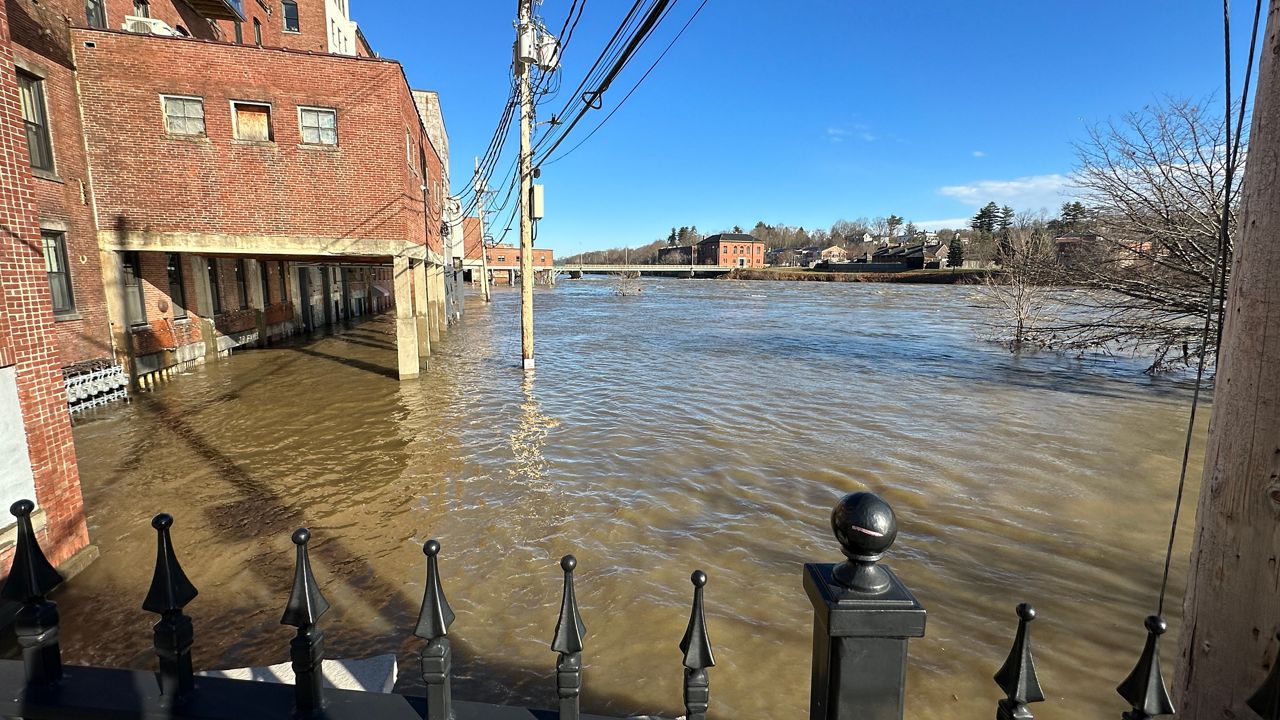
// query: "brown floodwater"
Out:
[702,424]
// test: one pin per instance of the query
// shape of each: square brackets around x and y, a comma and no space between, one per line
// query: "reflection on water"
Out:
[707,424]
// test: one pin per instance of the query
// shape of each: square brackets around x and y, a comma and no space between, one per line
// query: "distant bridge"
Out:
[578,270]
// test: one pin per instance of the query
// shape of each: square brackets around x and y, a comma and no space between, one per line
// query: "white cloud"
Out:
[979,154]
[863,132]
[951,223]
[1025,193]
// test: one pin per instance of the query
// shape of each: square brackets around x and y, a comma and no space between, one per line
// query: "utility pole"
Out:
[1232,611]
[524,53]
[481,189]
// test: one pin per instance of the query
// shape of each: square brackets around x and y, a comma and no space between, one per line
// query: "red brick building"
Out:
[731,250]
[37,457]
[215,173]
[504,264]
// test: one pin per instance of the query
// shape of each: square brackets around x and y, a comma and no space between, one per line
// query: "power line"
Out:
[650,21]
[632,90]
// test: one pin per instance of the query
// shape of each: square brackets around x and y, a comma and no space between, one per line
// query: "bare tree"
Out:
[1022,301]
[1154,183]
[627,283]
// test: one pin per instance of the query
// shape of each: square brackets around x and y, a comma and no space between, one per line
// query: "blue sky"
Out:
[805,112]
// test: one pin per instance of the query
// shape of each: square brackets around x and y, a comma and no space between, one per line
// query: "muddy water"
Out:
[704,424]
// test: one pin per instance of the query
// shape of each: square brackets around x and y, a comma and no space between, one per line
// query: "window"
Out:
[96,13]
[141,8]
[319,125]
[55,265]
[283,285]
[242,287]
[251,121]
[31,90]
[131,276]
[266,282]
[257,32]
[215,293]
[239,32]
[290,15]
[177,293]
[183,115]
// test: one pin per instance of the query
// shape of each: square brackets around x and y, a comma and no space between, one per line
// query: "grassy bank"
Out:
[938,277]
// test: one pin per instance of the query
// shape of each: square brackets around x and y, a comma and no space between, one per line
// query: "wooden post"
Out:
[1232,609]
[526,186]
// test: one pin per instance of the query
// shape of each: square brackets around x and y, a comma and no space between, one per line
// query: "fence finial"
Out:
[434,620]
[306,650]
[865,527]
[568,642]
[31,578]
[1144,689]
[1266,701]
[696,647]
[1017,677]
[169,594]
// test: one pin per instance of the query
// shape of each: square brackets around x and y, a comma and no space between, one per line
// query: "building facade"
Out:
[211,174]
[731,250]
[504,264]
[37,456]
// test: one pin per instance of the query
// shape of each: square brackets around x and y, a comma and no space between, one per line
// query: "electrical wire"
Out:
[650,21]
[635,87]
[1217,291]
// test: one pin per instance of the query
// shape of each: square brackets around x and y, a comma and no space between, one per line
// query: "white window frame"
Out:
[235,120]
[164,115]
[318,108]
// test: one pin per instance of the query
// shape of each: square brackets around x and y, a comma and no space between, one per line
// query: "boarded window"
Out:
[252,121]
[183,116]
[319,126]
[131,277]
[177,293]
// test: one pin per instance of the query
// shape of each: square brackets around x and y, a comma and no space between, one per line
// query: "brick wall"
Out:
[41,48]
[27,309]
[363,187]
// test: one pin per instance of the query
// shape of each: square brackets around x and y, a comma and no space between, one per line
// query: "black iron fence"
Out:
[863,617]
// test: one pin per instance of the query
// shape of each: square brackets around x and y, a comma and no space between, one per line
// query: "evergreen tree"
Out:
[683,236]
[955,252]
[986,218]
[673,239]
[1005,220]
[894,222]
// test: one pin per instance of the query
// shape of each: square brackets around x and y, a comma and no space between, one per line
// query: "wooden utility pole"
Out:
[1232,608]
[524,44]
[481,189]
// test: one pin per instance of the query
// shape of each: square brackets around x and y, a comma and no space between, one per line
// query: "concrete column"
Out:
[295,294]
[406,325]
[420,309]
[257,298]
[432,296]
[438,304]
[113,284]
[204,305]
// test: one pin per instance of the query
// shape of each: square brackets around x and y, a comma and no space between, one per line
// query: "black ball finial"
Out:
[431,548]
[865,527]
[301,536]
[1026,612]
[698,578]
[163,521]
[22,508]
[1156,624]
[568,563]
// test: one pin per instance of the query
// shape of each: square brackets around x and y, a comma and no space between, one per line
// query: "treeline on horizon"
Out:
[990,219]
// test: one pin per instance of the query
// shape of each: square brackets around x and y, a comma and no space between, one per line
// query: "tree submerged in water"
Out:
[628,283]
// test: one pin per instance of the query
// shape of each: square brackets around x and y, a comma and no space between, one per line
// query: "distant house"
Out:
[936,256]
[1071,248]
[911,257]
[835,253]
[731,250]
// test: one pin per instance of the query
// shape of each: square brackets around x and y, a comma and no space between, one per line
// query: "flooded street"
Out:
[704,424]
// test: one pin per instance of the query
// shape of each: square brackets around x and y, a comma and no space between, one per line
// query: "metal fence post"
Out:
[170,592]
[863,617]
[306,650]
[31,578]
[434,620]
[568,642]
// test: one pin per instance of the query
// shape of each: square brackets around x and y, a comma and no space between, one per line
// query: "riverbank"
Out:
[963,276]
